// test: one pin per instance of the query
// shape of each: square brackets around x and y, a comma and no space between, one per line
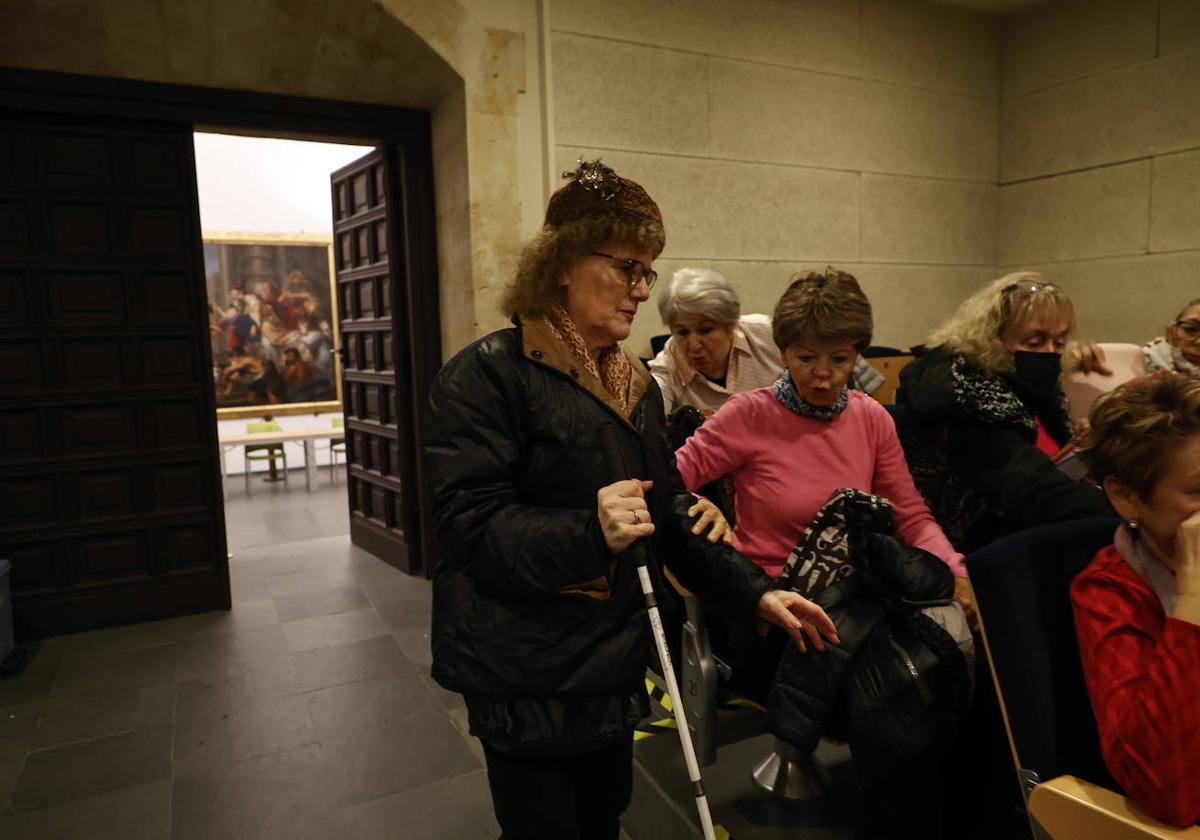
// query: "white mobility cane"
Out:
[640,555]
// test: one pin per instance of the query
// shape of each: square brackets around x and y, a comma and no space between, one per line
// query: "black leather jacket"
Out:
[529,605]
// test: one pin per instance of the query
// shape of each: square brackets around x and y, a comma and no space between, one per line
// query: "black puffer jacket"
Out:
[534,621]
[971,443]
[865,691]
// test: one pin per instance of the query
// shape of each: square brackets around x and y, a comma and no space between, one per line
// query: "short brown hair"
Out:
[824,307]
[535,289]
[1134,426]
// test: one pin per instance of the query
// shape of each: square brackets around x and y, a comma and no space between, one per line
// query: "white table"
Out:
[308,437]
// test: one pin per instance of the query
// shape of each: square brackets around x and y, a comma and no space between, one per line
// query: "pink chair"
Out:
[1126,362]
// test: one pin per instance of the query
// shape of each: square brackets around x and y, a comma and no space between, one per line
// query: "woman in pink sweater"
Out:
[788,447]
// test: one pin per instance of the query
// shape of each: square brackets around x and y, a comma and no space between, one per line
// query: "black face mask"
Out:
[1038,373]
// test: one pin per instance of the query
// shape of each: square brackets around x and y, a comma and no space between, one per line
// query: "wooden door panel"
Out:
[74,160]
[107,436]
[105,495]
[12,298]
[86,297]
[14,229]
[379,520]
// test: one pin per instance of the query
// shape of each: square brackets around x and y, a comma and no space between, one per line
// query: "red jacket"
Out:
[1143,674]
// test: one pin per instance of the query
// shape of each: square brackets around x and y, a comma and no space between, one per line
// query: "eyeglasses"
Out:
[1031,287]
[1188,329]
[634,269]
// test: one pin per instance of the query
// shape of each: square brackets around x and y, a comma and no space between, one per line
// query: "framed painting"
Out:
[273,324]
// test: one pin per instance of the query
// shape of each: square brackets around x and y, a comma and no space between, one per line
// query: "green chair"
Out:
[264,451]
[337,446]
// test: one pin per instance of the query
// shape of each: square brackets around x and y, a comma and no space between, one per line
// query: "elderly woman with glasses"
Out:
[983,414]
[538,616]
[1178,348]
[714,350]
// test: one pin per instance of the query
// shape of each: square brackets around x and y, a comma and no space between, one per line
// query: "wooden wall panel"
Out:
[111,510]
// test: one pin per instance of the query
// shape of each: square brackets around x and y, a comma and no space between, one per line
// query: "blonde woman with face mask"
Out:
[984,412]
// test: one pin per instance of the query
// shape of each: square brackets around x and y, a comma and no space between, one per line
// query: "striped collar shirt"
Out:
[754,362]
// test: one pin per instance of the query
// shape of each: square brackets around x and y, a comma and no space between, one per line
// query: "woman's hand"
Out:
[1187,556]
[1086,356]
[1187,570]
[964,596]
[712,519]
[623,514]
[799,617]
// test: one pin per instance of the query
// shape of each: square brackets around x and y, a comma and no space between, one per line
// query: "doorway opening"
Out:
[266,218]
[114,439]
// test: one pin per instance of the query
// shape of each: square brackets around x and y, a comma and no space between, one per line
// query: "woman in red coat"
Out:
[1137,606]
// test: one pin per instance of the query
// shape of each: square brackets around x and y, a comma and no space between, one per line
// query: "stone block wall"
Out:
[782,135]
[1100,158]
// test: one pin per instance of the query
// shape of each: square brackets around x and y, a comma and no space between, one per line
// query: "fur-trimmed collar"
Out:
[991,398]
[541,347]
[986,396]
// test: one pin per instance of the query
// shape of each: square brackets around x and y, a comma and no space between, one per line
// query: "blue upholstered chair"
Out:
[1021,586]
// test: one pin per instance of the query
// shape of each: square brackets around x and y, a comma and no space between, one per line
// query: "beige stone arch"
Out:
[429,54]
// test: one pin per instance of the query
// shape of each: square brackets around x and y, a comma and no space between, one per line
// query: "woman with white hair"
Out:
[714,351]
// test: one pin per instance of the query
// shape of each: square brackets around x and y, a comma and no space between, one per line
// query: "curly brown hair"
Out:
[1134,427]
[544,261]
[823,307]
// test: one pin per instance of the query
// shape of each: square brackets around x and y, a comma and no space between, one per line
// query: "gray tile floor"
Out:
[305,712]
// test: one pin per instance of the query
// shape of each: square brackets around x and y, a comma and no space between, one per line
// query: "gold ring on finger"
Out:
[637,520]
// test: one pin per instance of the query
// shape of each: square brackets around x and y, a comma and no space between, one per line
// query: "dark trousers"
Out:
[570,797]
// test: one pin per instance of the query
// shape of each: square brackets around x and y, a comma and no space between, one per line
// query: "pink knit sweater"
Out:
[784,467]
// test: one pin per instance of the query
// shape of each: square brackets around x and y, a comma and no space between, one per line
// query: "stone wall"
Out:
[780,136]
[429,54]
[1100,158]
[919,146]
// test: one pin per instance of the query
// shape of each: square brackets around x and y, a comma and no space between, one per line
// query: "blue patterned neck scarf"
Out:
[785,392]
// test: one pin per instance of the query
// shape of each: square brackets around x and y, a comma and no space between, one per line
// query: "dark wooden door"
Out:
[110,501]
[387,323]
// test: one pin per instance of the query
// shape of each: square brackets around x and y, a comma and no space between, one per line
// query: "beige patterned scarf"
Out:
[613,371]
[1160,354]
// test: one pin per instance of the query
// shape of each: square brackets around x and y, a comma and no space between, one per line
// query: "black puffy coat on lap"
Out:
[861,691]
[531,612]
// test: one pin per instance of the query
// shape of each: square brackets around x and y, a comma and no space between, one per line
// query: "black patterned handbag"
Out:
[821,557]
